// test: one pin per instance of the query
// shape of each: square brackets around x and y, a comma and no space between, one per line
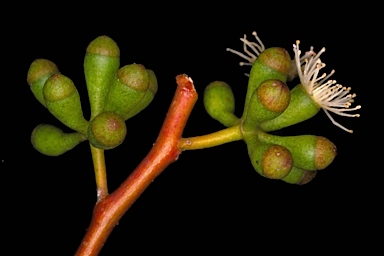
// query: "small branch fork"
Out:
[109,209]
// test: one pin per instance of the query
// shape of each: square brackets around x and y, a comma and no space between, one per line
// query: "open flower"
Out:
[252,50]
[329,95]
[293,72]
[250,55]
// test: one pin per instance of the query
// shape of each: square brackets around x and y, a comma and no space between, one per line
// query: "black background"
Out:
[210,200]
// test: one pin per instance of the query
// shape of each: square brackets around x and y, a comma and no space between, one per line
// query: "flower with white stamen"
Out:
[252,50]
[293,73]
[255,47]
[327,94]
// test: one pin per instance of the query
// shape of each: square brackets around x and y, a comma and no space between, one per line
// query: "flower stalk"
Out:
[98,159]
[227,135]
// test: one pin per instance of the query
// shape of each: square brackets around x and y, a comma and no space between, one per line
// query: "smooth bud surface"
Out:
[103,46]
[277,59]
[299,176]
[107,130]
[274,95]
[277,162]
[300,108]
[58,87]
[270,99]
[325,152]
[38,73]
[52,141]
[309,152]
[272,63]
[269,160]
[101,62]
[148,97]
[63,101]
[128,89]
[219,103]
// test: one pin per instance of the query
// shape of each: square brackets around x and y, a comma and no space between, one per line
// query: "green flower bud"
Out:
[325,153]
[148,97]
[128,89]
[63,101]
[51,141]
[107,130]
[301,108]
[101,62]
[299,176]
[274,95]
[277,162]
[269,100]
[38,73]
[309,152]
[269,160]
[272,63]
[219,102]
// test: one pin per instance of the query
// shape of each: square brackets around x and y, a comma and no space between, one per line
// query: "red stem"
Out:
[165,151]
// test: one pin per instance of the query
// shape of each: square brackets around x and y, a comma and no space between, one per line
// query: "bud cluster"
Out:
[270,105]
[115,95]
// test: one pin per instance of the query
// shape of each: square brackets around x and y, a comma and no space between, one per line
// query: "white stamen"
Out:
[250,55]
[293,72]
[329,95]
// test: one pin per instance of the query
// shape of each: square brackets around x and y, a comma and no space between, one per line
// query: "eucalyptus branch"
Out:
[109,210]
[118,93]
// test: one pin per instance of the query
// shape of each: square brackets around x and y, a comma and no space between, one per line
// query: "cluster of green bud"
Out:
[115,95]
[270,105]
